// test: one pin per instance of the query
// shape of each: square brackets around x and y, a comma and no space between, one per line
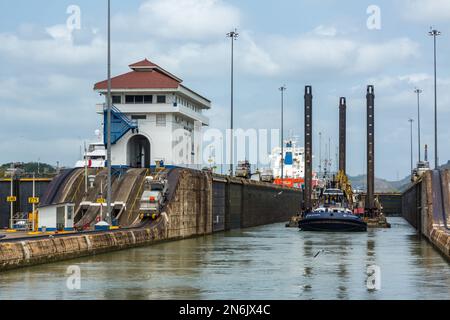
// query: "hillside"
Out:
[30,167]
[382,185]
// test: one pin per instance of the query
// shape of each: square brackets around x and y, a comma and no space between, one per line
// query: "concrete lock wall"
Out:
[204,204]
[190,212]
[418,208]
[411,205]
[245,203]
[391,203]
[201,205]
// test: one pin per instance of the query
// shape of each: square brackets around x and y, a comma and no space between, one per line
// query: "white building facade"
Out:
[167,118]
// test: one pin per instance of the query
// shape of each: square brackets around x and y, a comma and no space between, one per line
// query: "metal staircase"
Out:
[120,124]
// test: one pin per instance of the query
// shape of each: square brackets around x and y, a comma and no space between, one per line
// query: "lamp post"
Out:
[418,92]
[34,204]
[320,153]
[329,155]
[108,119]
[411,125]
[11,209]
[233,35]
[434,33]
[282,89]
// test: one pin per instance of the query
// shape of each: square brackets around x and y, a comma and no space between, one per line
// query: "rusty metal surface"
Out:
[308,147]
[370,205]
[342,133]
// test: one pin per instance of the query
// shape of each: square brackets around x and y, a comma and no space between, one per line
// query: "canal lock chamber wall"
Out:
[240,203]
[202,204]
[425,211]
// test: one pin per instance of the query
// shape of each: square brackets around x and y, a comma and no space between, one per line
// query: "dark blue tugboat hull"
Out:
[332,224]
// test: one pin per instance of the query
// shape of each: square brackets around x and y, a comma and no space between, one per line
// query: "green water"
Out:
[269,262]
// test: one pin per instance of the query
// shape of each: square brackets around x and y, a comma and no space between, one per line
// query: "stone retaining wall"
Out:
[26,253]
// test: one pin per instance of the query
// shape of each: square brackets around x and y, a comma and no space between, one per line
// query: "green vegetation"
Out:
[41,169]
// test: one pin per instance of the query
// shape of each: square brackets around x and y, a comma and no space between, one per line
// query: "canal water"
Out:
[268,262]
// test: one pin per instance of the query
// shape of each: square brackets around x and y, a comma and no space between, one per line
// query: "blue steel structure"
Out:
[120,125]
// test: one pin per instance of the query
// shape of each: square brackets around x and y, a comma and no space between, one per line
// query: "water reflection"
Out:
[269,262]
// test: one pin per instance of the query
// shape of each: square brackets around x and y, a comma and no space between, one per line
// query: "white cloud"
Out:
[255,59]
[182,19]
[60,32]
[427,10]
[308,53]
[325,31]
[372,57]
[415,78]
[305,53]
[59,49]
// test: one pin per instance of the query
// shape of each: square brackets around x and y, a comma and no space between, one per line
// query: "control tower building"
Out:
[154,118]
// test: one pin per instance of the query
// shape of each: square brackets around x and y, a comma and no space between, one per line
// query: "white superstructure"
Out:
[294,165]
[95,154]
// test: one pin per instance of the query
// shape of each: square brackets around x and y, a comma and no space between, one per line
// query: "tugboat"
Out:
[334,211]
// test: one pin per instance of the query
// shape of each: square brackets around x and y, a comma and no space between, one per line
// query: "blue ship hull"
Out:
[332,221]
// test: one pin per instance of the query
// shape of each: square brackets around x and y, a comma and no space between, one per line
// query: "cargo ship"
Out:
[293,166]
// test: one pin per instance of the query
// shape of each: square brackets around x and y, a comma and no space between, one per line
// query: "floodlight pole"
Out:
[108,119]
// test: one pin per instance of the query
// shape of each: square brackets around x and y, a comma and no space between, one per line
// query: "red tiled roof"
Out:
[143,63]
[153,77]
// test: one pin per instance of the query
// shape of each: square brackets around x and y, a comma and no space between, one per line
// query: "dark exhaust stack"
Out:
[342,133]
[370,205]
[308,148]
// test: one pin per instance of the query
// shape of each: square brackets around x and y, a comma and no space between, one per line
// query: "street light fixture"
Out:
[233,35]
[282,89]
[320,153]
[418,92]
[434,33]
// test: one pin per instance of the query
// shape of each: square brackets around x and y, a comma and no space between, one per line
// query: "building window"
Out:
[160,120]
[161,99]
[148,99]
[117,99]
[139,117]
[138,99]
[129,99]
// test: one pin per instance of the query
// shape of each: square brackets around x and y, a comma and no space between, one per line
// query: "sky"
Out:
[47,71]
